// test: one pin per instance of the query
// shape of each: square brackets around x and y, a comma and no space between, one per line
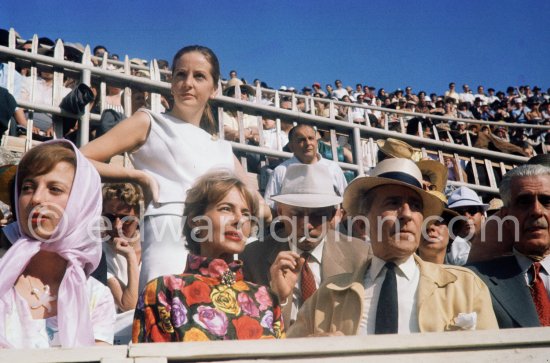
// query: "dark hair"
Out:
[292,132]
[208,190]
[208,122]
[128,193]
[97,47]
[42,159]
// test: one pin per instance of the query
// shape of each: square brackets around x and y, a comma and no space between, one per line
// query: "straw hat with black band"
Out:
[393,171]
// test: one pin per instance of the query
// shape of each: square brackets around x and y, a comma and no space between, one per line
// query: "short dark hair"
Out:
[98,47]
[292,132]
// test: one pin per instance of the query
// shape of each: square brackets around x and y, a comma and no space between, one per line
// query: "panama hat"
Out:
[395,148]
[435,171]
[394,171]
[466,197]
[307,185]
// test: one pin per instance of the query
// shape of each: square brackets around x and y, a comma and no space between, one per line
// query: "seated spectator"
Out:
[452,93]
[210,300]
[519,282]
[231,122]
[47,296]
[303,144]
[467,204]
[464,112]
[307,250]
[342,110]
[434,243]
[520,111]
[317,89]
[535,115]
[344,154]
[339,91]
[358,114]
[43,94]
[122,249]
[395,291]
[321,108]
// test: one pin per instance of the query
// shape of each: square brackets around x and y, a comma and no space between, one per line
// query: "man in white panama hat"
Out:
[309,210]
[395,291]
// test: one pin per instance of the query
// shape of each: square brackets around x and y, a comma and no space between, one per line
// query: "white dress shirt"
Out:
[315,267]
[408,276]
[525,263]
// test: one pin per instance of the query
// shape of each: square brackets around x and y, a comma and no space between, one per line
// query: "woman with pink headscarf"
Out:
[47,297]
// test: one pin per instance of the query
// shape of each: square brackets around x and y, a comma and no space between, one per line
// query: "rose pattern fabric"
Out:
[197,306]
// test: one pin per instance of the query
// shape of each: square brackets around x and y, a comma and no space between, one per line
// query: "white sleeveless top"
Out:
[176,153]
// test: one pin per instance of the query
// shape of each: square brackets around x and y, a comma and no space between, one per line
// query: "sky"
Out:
[424,44]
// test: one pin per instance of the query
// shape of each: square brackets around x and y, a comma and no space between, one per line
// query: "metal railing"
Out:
[360,137]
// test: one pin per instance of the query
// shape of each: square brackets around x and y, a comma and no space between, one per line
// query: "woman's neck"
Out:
[47,266]
[192,117]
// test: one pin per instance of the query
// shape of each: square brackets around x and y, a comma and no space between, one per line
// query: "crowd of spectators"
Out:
[333,255]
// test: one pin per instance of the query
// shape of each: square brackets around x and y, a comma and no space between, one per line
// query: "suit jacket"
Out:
[511,297]
[341,254]
[444,291]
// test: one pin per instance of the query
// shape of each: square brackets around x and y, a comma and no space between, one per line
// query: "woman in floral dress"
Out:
[210,300]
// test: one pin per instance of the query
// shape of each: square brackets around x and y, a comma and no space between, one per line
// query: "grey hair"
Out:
[519,172]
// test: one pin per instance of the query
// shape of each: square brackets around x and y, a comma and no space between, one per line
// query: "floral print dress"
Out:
[209,301]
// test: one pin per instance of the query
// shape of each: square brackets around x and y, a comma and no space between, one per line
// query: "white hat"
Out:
[283,88]
[465,197]
[393,171]
[308,186]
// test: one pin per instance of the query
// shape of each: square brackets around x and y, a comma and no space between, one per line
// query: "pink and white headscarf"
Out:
[77,239]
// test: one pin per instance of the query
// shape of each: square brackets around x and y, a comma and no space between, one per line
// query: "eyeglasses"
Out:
[125,219]
[471,210]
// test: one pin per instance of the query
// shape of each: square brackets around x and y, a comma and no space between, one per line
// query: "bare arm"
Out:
[125,295]
[128,135]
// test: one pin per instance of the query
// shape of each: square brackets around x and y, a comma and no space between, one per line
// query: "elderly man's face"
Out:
[395,222]
[530,204]
[304,144]
[311,223]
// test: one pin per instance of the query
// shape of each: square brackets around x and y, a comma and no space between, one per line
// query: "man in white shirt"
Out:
[395,291]
[472,210]
[520,283]
[303,143]
[467,95]
[340,91]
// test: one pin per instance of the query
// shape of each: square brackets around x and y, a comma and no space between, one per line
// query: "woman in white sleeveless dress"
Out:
[169,152]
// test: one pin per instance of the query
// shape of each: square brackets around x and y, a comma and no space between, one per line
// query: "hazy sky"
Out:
[424,43]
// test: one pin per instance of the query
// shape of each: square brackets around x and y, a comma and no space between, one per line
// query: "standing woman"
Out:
[169,152]
[47,297]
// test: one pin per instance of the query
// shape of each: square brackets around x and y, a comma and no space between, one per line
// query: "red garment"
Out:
[307,280]
[540,296]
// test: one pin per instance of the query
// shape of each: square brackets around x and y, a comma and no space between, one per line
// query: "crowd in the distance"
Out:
[210,258]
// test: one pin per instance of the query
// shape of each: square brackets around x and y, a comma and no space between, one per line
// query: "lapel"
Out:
[432,277]
[333,258]
[508,287]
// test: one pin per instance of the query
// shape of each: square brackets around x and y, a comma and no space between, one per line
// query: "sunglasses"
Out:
[471,210]
[125,219]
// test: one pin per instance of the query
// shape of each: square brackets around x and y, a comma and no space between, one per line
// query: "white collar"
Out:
[316,253]
[525,262]
[406,268]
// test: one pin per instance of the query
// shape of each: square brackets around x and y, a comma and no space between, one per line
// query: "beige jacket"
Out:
[443,292]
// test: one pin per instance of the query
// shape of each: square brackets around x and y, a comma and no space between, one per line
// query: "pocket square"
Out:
[465,321]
